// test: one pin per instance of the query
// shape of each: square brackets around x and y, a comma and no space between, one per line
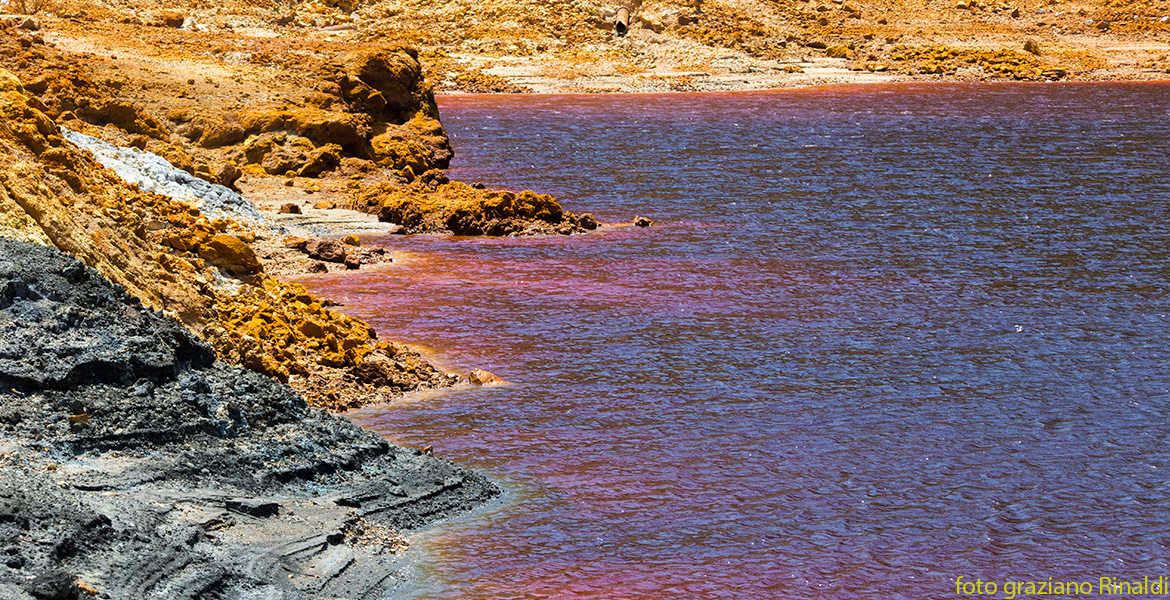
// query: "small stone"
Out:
[288,183]
[31,24]
[86,588]
[485,378]
[171,18]
[253,506]
[228,174]
[351,240]
[323,205]
[642,222]
[1015,13]
[81,418]
[317,267]
[1032,46]
[290,208]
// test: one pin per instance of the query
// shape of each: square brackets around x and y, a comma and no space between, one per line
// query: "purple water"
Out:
[879,337]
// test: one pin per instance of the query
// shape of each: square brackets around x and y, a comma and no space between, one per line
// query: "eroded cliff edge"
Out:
[133,462]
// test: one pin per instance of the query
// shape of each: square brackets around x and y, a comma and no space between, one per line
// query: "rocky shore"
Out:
[134,464]
[166,220]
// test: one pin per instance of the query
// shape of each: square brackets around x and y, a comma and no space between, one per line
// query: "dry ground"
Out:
[570,45]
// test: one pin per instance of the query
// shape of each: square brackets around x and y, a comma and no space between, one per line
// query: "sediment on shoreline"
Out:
[132,461]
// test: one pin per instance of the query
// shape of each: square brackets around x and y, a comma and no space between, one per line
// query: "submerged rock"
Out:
[485,378]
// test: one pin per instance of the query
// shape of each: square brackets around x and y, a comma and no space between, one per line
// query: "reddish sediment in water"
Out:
[877,338]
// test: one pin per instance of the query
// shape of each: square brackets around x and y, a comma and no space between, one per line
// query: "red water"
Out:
[879,338]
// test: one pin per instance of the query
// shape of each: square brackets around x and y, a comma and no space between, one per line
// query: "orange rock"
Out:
[295,242]
[485,378]
[231,254]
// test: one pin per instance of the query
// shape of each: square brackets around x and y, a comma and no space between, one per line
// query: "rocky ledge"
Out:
[132,465]
[434,204]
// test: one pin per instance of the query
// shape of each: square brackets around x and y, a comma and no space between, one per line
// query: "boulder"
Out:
[228,174]
[220,133]
[231,254]
[393,72]
[586,221]
[290,208]
[282,160]
[325,158]
[327,250]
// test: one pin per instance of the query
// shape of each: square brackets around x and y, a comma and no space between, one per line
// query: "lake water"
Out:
[879,338]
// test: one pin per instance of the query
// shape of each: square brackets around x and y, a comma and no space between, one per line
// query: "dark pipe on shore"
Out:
[621,22]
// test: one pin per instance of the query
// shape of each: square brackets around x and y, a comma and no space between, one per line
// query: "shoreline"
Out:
[810,86]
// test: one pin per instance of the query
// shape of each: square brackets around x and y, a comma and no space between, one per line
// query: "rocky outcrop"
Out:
[369,103]
[373,104]
[435,205]
[134,465]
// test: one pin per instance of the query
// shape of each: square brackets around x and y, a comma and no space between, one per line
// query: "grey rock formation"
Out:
[131,461]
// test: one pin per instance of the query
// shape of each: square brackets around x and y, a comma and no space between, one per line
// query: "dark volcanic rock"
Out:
[63,326]
[191,479]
